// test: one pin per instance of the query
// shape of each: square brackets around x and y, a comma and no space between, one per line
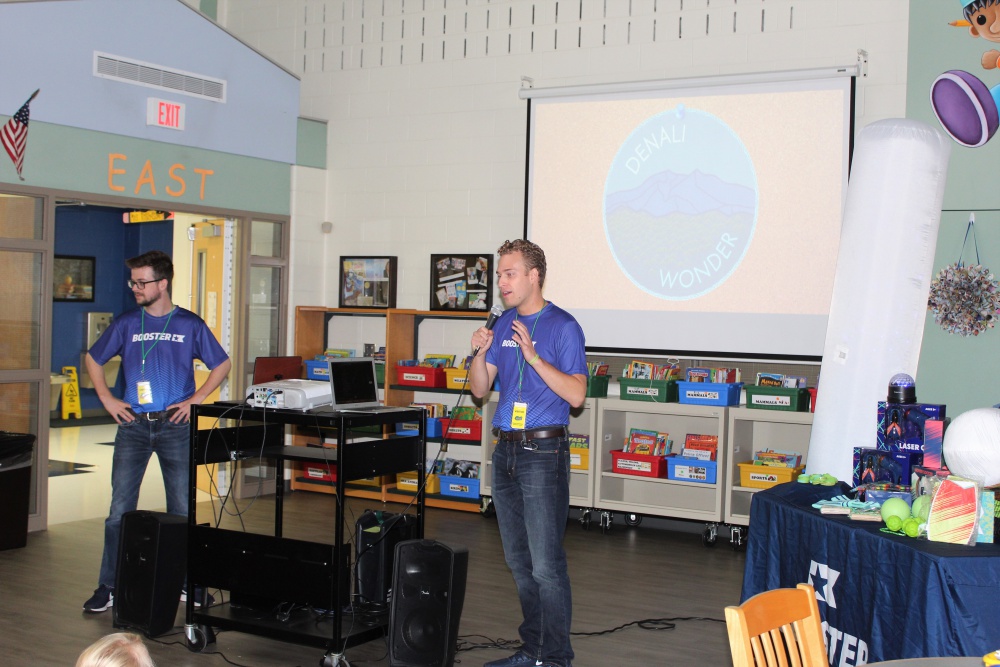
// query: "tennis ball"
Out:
[895,507]
[911,527]
[921,507]
[894,523]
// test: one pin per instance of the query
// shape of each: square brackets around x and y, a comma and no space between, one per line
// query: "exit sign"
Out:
[164,113]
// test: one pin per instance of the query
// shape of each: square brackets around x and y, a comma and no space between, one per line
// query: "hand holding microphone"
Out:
[491,322]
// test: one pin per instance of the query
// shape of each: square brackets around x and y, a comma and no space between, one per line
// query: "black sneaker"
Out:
[198,591]
[519,659]
[102,600]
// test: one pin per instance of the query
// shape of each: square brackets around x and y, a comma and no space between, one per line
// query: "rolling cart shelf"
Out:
[263,570]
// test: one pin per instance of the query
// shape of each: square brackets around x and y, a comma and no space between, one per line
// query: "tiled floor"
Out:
[80,474]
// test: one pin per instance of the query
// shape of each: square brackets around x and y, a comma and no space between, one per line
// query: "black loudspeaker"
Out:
[428,590]
[377,534]
[152,553]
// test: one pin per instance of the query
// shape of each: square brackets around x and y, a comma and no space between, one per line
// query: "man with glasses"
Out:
[158,344]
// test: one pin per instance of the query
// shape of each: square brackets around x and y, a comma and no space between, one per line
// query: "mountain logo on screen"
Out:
[680,204]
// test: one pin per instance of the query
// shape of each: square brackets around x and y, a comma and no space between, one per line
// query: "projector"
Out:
[291,394]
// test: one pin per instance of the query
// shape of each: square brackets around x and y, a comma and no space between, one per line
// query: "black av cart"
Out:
[266,571]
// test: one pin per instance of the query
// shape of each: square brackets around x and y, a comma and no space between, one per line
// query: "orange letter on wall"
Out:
[112,171]
[176,193]
[204,173]
[146,177]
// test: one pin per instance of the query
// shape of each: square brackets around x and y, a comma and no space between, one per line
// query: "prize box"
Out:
[764,477]
[420,376]
[709,393]
[464,429]
[433,429]
[462,487]
[643,465]
[407,481]
[454,378]
[691,470]
[778,398]
[649,391]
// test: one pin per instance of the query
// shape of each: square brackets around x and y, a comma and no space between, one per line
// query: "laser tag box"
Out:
[872,466]
[917,427]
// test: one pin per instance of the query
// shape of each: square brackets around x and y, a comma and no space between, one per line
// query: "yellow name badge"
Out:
[519,417]
[145,392]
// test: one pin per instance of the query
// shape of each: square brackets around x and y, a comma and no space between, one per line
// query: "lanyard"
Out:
[142,338]
[520,362]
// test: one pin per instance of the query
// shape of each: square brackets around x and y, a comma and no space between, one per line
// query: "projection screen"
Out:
[696,217]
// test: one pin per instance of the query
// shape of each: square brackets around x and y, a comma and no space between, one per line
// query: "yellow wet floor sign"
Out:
[71,394]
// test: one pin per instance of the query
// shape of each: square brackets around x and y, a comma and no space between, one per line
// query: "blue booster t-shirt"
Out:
[558,338]
[170,349]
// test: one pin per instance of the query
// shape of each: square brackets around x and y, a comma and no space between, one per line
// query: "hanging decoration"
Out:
[965,300]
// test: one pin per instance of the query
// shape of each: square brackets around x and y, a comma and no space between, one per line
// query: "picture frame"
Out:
[367,282]
[462,282]
[73,278]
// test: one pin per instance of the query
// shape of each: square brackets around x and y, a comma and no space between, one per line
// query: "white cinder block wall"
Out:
[426,132]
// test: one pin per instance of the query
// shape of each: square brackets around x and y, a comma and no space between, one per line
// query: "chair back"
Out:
[779,628]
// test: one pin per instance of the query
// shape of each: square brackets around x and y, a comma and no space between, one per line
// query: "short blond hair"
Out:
[120,649]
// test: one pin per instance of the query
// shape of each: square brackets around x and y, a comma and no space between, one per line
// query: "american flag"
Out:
[14,135]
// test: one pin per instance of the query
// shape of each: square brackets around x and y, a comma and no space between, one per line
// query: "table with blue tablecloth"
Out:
[881,596]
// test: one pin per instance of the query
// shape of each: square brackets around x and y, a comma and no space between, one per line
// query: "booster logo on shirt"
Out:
[173,338]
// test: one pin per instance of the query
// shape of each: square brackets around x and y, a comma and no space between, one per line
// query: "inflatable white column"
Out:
[876,325]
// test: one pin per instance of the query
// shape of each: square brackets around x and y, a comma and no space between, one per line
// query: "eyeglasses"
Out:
[141,284]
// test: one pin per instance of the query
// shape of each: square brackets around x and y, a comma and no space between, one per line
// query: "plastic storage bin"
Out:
[317,370]
[764,477]
[691,470]
[462,487]
[778,398]
[433,429]
[643,465]
[597,386]
[420,376]
[463,429]
[709,393]
[407,481]
[454,378]
[650,391]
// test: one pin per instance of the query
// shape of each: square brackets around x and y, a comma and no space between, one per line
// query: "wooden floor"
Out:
[628,574]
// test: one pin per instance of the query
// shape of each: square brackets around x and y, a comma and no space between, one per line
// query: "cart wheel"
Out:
[585,519]
[738,537]
[709,537]
[632,519]
[486,508]
[198,637]
[606,522]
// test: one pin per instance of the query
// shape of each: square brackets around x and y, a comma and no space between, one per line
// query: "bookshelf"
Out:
[408,333]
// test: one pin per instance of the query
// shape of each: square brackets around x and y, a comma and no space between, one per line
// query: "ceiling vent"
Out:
[156,76]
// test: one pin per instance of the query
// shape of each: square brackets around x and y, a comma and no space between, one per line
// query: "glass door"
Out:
[24,377]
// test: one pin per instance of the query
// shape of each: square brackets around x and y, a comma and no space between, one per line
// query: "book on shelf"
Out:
[579,441]
[466,413]
[698,441]
[700,454]
[640,441]
[777,458]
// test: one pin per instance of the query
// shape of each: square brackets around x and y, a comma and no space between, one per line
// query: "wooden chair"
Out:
[779,628]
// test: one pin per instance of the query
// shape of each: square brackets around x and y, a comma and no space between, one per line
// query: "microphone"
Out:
[491,321]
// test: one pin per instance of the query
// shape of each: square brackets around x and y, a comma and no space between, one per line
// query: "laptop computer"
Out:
[268,369]
[353,385]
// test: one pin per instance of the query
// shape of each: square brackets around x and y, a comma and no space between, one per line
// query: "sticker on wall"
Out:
[967,108]
[680,204]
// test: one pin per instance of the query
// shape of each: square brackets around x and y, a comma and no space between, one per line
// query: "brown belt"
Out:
[532,434]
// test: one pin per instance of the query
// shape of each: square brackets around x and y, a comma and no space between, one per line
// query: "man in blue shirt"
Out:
[158,344]
[537,351]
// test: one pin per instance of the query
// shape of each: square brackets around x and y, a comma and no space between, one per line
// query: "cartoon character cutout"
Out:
[966,108]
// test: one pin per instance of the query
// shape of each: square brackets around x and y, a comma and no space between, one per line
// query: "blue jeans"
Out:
[135,442]
[531,496]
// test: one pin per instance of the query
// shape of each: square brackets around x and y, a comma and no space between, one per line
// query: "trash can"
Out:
[15,488]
